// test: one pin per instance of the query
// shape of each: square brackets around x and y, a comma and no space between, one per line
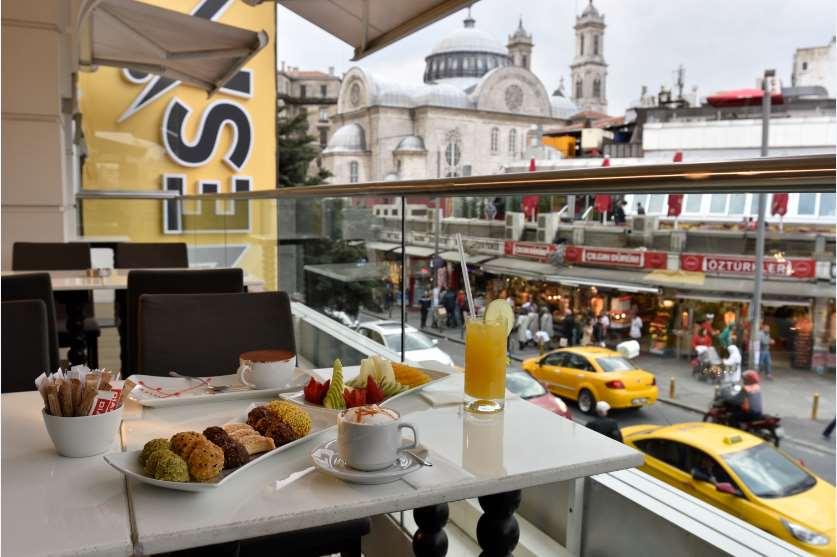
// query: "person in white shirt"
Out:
[733,362]
[636,327]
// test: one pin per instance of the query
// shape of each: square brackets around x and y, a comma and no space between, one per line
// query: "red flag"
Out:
[675,204]
[678,157]
[779,205]
[606,163]
[530,206]
[603,203]
[532,165]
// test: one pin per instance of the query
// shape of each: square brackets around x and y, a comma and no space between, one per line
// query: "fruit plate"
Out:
[322,420]
[350,372]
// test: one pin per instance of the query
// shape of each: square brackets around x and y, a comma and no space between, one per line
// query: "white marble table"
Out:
[52,505]
[525,446]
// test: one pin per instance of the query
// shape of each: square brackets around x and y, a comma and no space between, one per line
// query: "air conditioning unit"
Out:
[640,224]
[548,227]
[515,222]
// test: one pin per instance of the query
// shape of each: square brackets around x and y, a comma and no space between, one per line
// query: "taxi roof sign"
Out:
[732,439]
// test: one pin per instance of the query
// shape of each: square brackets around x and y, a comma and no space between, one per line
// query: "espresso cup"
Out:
[369,437]
[266,369]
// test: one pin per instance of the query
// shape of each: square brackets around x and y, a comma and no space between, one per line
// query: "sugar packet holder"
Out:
[81,392]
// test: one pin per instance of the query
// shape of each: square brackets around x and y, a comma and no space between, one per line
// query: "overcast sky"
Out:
[723,44]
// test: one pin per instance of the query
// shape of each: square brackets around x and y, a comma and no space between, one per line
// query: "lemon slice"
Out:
[499,310]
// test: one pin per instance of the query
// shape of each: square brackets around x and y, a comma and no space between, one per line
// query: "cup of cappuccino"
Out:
[266,369]
[369,437]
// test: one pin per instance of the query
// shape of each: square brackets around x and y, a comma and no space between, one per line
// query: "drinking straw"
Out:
[465,275]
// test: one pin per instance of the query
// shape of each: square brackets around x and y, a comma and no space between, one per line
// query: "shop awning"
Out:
[770,302]
[381,246]
[569,280]
[743,288]
[351,272]
[416,251]
[370,25]
[139,36]
[518,268]
[475,259]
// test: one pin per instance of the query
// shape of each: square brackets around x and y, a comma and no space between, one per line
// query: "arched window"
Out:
[525,61]
[466,63]
[595,45]
[581,45]
[495,140]
[597,87]
[512,141]
[354,176]
[578,91]
[453,153]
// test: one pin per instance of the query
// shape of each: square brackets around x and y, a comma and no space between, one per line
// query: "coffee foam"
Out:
[371,414]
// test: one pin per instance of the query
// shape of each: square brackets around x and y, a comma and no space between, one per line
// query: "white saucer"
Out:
[325,458]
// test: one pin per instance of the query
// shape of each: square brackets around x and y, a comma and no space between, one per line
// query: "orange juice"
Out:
[485,361]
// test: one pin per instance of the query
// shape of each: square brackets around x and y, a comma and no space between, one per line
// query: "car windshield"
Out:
[769,473]
[415,341]
[523,385]
[615,363]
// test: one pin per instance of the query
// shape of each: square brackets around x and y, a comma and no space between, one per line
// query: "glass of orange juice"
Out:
[485,365]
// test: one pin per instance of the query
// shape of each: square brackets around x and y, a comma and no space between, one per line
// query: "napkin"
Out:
[443,393]
[443,472]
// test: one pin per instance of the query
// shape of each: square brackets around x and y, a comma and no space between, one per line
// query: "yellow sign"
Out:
[145,132]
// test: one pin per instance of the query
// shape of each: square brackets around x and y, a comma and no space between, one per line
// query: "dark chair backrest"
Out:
[196,281]
[203,334]
[24,344]
[50,256]
[35,286]
[168,255]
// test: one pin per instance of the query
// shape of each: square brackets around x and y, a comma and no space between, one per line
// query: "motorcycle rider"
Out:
[604,425]
[751,403]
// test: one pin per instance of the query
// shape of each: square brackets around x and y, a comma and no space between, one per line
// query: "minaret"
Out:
[520,47]
[589,71]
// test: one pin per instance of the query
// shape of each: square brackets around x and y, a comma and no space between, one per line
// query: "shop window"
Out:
[495,140]
[736,203]
[718,203]
[827,204]
[807,204]
[354,176]
[656,203]
[512,141]
[693,201]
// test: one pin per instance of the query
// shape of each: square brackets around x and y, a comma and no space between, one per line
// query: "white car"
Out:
[419,347]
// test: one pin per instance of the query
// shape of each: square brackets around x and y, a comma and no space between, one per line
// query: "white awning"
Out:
[138,36]
[453,256]
[416,251]
[370,25]
[586,281]
[518,268]
[381,246]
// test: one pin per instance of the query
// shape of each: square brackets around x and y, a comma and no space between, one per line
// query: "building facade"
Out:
[310,91]
[477,110]
[589,70]
[816,66]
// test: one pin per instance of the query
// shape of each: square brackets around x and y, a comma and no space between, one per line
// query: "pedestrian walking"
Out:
[568,329]
[424,307]
[765,342]
[619,213]
[449,302]
[829,429]
[460,308]
[640,210]
[733,360]
[534,322]
[522,329]
[636,328]
[604,326]
[587,331]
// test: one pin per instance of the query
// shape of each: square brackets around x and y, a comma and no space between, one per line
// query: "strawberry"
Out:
[315,391]
[354,397]
[374,394]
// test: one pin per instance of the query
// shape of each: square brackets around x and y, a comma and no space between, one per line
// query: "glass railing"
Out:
[376,268]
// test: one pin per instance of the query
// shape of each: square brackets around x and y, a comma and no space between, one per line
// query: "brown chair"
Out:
[135,255]
[170,282]
[57,256]
[24,345]
[131,255]
[203,334]
[35,286]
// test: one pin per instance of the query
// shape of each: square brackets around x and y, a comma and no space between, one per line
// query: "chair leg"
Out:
[93,351]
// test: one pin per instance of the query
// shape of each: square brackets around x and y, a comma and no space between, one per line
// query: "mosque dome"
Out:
[466,53]
[348,139]
[411,144]
[562,107]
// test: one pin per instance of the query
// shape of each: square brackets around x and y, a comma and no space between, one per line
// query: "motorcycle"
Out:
[728,396]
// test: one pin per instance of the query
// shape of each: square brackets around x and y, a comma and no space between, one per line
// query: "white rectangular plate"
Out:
[157,392]
[349,373]
[322,420]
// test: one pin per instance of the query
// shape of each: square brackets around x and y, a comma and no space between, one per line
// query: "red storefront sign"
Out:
[530,250]
[789,267]
[614,257]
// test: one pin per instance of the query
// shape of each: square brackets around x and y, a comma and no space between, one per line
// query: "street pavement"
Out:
[789,396]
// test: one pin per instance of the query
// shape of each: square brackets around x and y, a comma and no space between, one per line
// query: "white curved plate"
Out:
[326,459]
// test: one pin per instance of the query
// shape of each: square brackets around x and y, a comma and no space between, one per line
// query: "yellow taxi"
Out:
[589,374]
[742,475]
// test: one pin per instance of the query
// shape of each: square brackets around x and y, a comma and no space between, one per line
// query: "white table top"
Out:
[117,280]
[522,447]
[54,505]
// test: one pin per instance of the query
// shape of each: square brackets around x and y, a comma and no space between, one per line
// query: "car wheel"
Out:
[586,401]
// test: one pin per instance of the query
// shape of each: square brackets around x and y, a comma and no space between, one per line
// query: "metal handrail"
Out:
[811,173]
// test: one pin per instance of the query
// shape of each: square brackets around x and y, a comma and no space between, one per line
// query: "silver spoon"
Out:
[211,388]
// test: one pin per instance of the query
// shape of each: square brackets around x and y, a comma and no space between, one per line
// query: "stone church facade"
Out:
[479,107]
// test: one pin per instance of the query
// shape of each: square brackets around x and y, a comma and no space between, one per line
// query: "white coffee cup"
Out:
[266,369]
[369,437]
